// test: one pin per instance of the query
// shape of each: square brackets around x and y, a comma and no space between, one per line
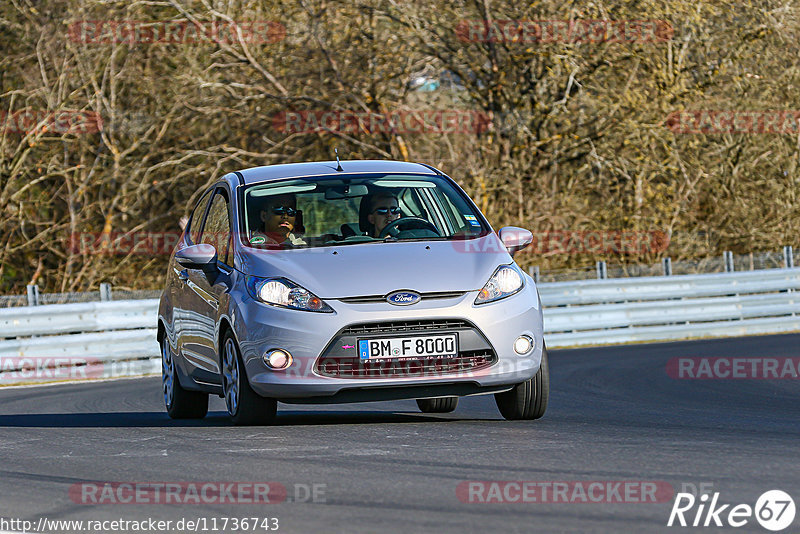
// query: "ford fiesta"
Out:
[360,281]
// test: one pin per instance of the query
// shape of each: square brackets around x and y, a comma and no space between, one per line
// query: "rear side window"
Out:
[217,229]
[196,220]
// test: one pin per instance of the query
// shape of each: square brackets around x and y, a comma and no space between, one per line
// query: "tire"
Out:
[180,403]
[529,399]
[245,406]
[437,405]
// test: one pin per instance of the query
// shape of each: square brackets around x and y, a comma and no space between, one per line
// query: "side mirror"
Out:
[515,239]
[202,256]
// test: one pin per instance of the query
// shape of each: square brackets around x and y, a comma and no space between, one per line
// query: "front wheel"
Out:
[529,399]
[245,406]
[437,405]
[180,403]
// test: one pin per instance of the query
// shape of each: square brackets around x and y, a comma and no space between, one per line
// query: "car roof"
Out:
[320,168]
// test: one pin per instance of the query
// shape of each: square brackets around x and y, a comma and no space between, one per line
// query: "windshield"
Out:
[349,209]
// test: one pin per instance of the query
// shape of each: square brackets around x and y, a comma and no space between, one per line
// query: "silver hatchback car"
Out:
[360,281]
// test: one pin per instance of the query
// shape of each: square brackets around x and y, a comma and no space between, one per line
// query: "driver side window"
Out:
[196,220]
[217,229]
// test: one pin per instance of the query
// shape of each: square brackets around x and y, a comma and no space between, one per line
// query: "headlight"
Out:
[285,293]
[505,281]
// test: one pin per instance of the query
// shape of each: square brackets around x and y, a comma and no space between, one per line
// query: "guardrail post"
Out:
[105,291]
[788,257]
[533,270]
[667,264]
[602,272]
[727,256]
[33,295]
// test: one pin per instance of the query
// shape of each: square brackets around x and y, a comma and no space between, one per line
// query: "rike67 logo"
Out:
[774,510]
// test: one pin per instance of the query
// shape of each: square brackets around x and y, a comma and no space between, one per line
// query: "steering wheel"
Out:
[408,223]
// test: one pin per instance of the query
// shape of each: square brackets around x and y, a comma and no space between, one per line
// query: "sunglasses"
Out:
[386,211]
[280,210]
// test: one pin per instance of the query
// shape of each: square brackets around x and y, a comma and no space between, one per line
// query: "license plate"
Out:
[408,347]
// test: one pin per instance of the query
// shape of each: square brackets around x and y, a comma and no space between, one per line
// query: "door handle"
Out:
[183,275]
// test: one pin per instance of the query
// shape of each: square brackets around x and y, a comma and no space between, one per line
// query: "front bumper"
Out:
[307,335]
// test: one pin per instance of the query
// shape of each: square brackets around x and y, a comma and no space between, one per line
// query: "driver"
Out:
[383,209]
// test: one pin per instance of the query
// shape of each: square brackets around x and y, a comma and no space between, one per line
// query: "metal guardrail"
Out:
[668,287]
[94,348]
[662,312]
[665,308]
[577,313]
[83,317]
[674,332]
[104,339]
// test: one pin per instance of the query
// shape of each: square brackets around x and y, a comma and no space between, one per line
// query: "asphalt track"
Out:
[615,415]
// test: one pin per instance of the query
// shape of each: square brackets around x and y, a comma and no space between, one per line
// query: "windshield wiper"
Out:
[436,238]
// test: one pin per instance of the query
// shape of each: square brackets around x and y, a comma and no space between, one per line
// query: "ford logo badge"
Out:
[403,298]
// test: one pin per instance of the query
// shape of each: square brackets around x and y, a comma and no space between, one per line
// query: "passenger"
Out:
[281,225]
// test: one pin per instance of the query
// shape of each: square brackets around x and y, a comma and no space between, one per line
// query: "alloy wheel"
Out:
[167,373]
[230,376]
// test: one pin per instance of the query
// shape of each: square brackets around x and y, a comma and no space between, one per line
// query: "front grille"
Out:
[395,327]
[465,362]
[369,299]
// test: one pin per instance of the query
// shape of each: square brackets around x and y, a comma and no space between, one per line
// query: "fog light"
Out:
[523,345]
[277,359]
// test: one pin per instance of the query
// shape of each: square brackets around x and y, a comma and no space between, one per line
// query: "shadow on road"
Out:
[213,419]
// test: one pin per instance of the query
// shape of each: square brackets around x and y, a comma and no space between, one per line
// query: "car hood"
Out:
[380,268]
